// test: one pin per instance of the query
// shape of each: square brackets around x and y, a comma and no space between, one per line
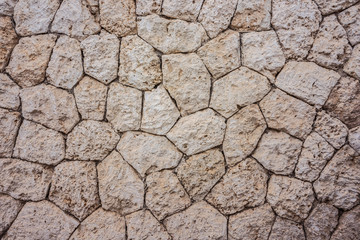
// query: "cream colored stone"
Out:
[349,225]
[351,67]
[8,40]
[354,138]
[330,6]
[145,7]
[9,209]
[9,93]
[9,125]
[286,230]
[7,7]
[350,19]
[238,89]
[187,10]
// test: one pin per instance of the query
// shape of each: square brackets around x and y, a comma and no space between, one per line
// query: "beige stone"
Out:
[238,89]
[354,138]
[187,10]
[8,40]
[330,6]
[120,188]
[148,153]
[9,93]
[286,230]
[7,7]
[30,58]
[9,209]
[145,7]
[349,226]
[350,20]
[351,67]
[9,125]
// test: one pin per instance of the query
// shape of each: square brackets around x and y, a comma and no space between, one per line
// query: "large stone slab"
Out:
[8,40]
[286,229]
[187,10]
[350,20]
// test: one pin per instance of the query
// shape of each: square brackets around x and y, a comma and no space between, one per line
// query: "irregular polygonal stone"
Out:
[321,222]
[91,140]
[165,195]
[7,7]
[349,225]
[171,36]
[331,47]
[145,7]
[124,107]
[118,17]
[159,112]
[332,129]
[53,107]
[24,180]
[143,225]
[187,10]
[307,81]
[350,20]
[101,56]
[215,15]
[148,153]
[9,125]
[201,172]
[254,223]
[29,59]
[90,96]
[338,183]
[200,221]
[261,51]
[8,40]
[330,6]
[222,54]
[39,144]
[9,209]
[101,224]
[278,152]
[286,113]
[344,101]
[9,93]
[41,220]
[352,66]
[286,230]
[198,132]
[242,186]
[74,19]
[187,80]
[296,23]
[238,89]
[313,158]
[243,131]
[120,188]
[139,64]
[354,138]
[34,16]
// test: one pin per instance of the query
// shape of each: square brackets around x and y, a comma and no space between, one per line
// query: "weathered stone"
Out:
[7,7]
[93,6]
[201,172]
[145,7]
[139,64]
[286,230]
[143,225]
[200,221]
[286,113]
[124,107]
[148,153]
[332,129]
[8,40]
[350,20]
[215,15]
[118,17]
[171,36]
[74,19]
[330,6]
[354,138]
[307,81]
[187,10]
[41,220]
[242,186]
[198,132]
[29,59]
[344,101]
[238,89]
[321,222]
[349,225]
[165,195]
[352,66]
[34,16]
[9,125]
[50,106]
[9,209]
[91,140]
[296,23]
[278,152]
[24,180]
[187,80]
[65,67]
[289,197]
[254,223]
[9,93]
[39,144]
[159,112]
[316,152]
[222,54]
[101,56]
[120,188]
[338,183]
[243,132]
[101,225]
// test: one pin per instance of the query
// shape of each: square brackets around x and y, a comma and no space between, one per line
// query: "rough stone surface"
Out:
[8,40]
[9,125]
[50,106]
[39,144]
[198,132]
[222,54]
[148,153]
[286,230]
[145,7]
[187,10]
[29,59]
[352,66]
[9,209]
[201,172]
[200,221]
[9,93]
[7,7]
[242,186]
[238,89]
[290,198]
[330,6]
[24,180]
[354,138]
[349,226]
[187,80]
[350,20]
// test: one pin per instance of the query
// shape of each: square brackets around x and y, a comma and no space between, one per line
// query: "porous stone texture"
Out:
[146,7]
[9,125]
[350,20]
[9,209]
[183,9]
[354,138]
[352,66]
[330,6]
[349,226]
[7,7]
[287,230]
[8,40]
[9,93]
